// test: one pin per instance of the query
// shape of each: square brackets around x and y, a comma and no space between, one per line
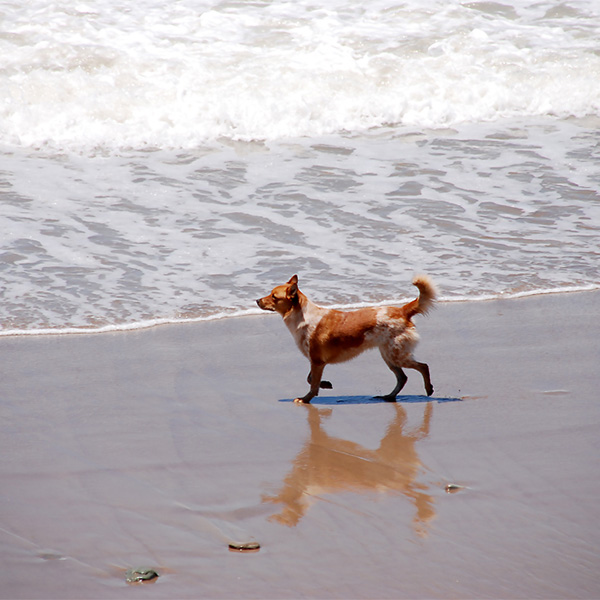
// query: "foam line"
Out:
[147,324]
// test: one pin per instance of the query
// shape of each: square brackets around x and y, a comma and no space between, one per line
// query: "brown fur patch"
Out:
[397,313]
[341,335]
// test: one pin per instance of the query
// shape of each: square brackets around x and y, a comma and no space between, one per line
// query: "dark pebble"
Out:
[244,546]
[140,575]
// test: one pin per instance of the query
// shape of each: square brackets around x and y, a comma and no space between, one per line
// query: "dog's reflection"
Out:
[327,465]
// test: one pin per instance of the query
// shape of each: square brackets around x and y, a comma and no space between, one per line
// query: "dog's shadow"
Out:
[336,400]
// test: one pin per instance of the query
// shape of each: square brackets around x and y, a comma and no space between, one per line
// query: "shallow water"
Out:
[172,162]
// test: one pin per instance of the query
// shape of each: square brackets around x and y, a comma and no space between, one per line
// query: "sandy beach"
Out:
[160,447]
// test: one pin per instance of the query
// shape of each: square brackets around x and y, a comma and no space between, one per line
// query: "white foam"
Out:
[174,75]
[134,326]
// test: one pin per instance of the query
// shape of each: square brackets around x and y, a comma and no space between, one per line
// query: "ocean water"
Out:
[174,161]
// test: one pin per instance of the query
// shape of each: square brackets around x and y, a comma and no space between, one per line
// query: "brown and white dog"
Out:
[326,335]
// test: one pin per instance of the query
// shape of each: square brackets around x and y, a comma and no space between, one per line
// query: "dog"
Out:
[327,335]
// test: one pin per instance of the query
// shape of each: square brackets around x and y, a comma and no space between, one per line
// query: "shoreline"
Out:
[162,446]
[252,312]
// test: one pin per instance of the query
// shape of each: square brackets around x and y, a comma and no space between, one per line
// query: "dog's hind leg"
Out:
[401,379]
[424,370]
[324,385]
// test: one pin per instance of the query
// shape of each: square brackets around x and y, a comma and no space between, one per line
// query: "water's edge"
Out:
[236,314]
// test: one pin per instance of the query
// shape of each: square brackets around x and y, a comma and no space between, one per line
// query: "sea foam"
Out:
[173,75]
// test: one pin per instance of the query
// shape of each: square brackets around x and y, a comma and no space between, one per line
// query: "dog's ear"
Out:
[292,291]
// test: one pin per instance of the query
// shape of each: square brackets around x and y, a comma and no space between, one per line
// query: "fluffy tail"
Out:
[427,295]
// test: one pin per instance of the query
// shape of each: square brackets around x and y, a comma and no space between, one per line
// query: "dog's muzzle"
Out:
[261,305]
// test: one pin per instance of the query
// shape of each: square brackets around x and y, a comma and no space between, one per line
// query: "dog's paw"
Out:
[304,400]
[388,398]
[326,385]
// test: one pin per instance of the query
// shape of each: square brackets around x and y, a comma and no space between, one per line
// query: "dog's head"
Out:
[282,299]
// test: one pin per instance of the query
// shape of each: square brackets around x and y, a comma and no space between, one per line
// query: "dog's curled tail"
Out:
[427,295]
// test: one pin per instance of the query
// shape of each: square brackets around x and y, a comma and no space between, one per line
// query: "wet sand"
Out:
[157,448]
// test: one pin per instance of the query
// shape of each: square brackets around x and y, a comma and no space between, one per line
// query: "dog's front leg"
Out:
[324,385]
[314,377]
